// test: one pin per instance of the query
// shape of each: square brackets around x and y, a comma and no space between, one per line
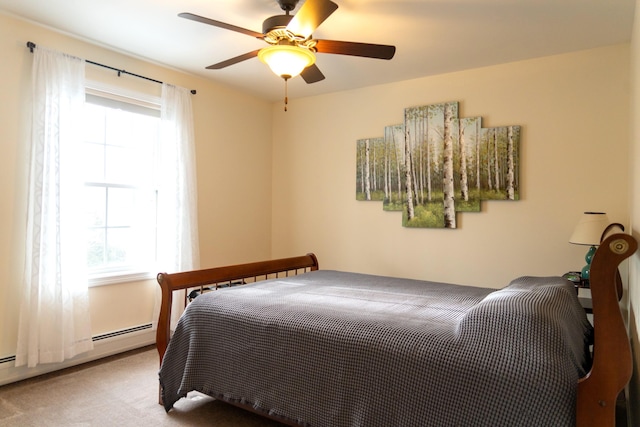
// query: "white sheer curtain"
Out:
[178,246]
[54,314]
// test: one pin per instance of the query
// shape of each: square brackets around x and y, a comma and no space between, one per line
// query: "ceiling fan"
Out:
[292,49]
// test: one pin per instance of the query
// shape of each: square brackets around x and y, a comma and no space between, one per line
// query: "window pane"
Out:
[143,140]
[120,207]
[96,250]
[118,240]
[120,165]
[95,205]
[93,161]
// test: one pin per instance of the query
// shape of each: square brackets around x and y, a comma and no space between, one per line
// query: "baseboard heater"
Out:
[7,359]
[96,338]
[121,332]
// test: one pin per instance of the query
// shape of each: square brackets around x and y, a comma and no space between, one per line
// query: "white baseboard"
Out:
[103,347]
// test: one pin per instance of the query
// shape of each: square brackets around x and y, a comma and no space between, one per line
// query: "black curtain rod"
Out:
[32,46]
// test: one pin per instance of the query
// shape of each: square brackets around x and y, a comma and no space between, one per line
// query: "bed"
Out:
[306,346]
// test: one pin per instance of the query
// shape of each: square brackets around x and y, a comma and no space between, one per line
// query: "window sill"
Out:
[119,277]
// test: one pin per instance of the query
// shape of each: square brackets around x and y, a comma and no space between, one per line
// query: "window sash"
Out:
[143,229]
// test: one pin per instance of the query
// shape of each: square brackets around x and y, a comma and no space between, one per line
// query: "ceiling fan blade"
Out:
[219,24]
[310,16]
[312,74]
[367,50]
[235,60]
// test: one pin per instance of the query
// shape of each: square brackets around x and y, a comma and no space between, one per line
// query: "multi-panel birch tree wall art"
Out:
[436,164]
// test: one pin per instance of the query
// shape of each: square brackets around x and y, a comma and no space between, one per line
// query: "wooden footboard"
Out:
[222,275]
[612,365]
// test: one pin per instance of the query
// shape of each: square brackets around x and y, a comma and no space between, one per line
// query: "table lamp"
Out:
[589,232]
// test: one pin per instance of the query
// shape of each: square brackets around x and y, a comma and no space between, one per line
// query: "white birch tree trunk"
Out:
[387,172]
[510,168]
[408,175]
[496,162]
[426,137]
[489,182]
[398,158]
[361,156]
[367,173]
[414,174]
[464,186]
[449,202]
[478,156]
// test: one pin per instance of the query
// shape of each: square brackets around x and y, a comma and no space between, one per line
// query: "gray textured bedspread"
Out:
[328,348]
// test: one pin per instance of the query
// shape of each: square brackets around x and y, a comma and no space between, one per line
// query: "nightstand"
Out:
[584,296]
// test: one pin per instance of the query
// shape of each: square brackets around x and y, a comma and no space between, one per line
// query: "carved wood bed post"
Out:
[599,389]
[163,333]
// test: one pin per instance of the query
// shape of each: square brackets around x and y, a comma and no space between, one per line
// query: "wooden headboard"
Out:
[612,365]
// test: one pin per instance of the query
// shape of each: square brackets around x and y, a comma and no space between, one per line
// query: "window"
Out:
[119,171]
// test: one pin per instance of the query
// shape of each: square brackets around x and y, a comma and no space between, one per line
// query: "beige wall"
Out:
[286,184]
[233,163]
[574,113]
[634,263]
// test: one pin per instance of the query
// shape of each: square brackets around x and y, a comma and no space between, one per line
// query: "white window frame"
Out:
[133,99]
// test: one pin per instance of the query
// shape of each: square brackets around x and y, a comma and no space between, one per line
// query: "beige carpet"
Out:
[118,391]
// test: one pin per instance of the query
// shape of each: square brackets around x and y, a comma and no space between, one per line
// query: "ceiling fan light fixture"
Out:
[286,61]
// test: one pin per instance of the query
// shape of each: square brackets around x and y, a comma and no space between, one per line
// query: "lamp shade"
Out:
[286,61]
[589,229]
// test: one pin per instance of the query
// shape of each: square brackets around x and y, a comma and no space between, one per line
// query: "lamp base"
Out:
[587,268]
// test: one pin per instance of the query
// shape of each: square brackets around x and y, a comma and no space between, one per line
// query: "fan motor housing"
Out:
[275,22]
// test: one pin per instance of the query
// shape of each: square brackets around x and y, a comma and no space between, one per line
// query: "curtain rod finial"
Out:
[31,46]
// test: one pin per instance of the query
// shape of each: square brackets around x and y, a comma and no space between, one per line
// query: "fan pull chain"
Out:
[286,97]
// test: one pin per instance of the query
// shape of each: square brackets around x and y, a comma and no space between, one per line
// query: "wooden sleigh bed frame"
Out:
[597,391]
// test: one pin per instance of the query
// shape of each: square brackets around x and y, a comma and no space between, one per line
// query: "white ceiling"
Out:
[431,36]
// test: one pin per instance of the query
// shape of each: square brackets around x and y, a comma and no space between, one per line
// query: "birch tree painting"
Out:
[500,162]
[370,177]
[467,154]
[395,167]
[424,139]
[436,164]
